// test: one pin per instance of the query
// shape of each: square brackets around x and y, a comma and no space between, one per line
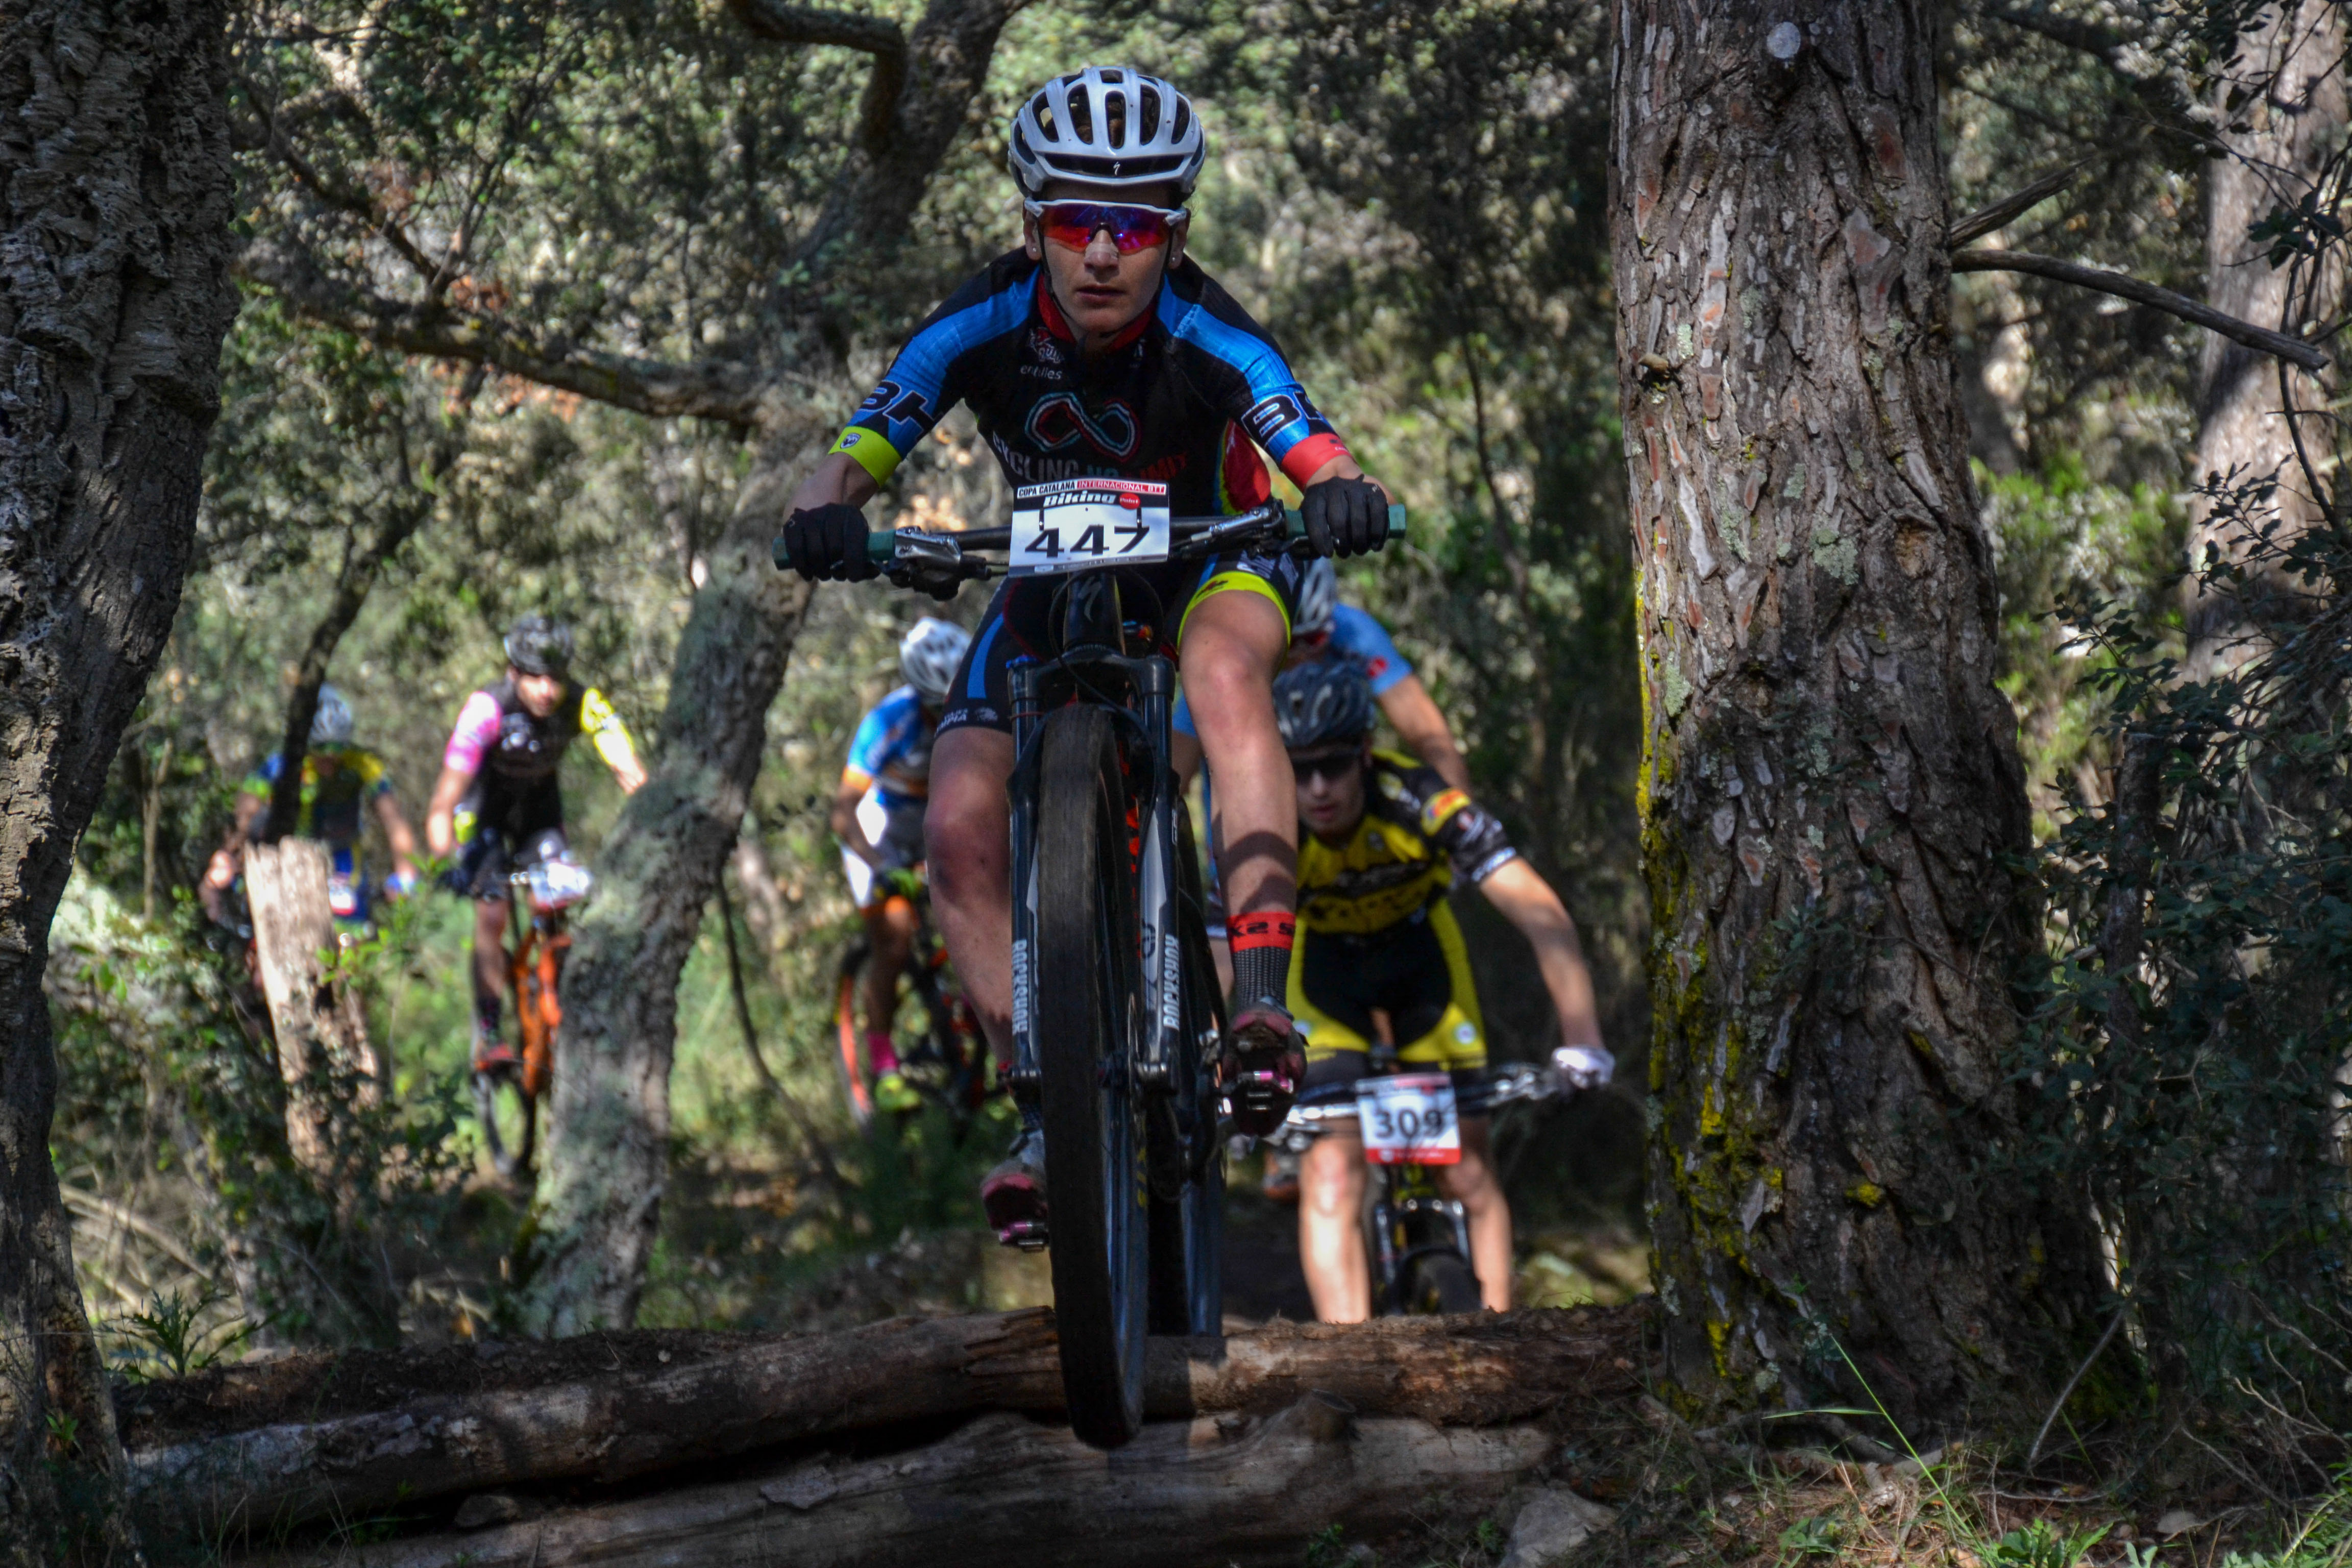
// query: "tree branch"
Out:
[710,389]
[1985,219]
[876,36]
[2260,338]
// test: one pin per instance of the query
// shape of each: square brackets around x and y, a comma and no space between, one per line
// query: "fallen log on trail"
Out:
[306,1454]
[1006,1490]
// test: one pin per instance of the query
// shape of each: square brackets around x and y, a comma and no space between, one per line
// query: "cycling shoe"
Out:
[1261,1070]
[1013,1195]
[495,1056]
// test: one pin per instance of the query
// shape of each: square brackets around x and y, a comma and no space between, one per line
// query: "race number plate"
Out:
[1072,524]
[1409,1119]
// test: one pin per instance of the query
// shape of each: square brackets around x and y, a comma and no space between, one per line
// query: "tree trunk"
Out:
[608,1133]
[1005,1493]
[321,1032]
[291,1456]
[2292,127]
[1831,788]
[114,297]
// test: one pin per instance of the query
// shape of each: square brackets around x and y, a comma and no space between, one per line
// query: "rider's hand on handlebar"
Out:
[828,543]
[1345,517]
[1583,1066]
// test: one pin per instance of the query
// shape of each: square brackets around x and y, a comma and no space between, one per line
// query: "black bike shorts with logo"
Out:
[1020,621]
[501,831]
[1416,971]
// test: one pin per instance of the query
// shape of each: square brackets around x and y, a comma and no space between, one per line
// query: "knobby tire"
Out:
[1088,1006]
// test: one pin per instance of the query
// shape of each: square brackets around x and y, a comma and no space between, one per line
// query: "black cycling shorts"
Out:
[501,831]
[1417,971]
[1019,622]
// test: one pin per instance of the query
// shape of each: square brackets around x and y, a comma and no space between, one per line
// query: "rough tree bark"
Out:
[2292,126]
[114,296]
[1831,785]
[608,1144]
[320,1029]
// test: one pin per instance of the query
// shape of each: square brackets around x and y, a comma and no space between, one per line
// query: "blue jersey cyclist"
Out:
[1099,349]
[342,782]
[878,814]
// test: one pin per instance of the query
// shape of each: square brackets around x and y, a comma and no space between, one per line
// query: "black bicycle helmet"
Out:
[539,645]
[1321,701]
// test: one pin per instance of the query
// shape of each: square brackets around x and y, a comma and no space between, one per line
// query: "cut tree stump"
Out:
[319,1026]
[1006,1490]
[294,1456]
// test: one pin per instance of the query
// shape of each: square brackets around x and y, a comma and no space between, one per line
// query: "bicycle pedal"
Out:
[1028,1235]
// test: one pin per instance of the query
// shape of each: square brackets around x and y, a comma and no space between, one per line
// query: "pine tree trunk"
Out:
[320,1029]
[1831,785]
[114,296]
[608,1131]
[2292,128]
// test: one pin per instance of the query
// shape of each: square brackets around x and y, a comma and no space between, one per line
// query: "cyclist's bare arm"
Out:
[398,834]
[440,813]
[845,825]
[840,479]
[1413,712]
[1528,902]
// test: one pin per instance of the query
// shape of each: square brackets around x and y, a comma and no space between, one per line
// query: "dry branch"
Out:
[1006,1490]
[1987,218]
[2294,350]
[635,1422]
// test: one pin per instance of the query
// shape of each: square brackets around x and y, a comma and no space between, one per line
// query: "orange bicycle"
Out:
[506,1095]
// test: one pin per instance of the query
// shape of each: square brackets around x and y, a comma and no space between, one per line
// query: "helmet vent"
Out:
[1082,115]
[1115,119]
[1183,120]
[1150,112]
[1044,113]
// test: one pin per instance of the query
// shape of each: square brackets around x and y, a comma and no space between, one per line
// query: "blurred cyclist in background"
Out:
[498,808]
[341,781]
[878,814]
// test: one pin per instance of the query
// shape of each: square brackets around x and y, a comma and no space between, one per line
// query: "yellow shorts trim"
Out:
[1235,578]
[1458,1040]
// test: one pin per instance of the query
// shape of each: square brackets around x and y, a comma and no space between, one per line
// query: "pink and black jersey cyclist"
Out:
[498,807]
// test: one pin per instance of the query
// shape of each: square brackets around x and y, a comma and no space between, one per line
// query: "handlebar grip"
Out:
[1295,526]
[880,547]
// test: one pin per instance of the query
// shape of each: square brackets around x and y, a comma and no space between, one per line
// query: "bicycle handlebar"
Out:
[914,543]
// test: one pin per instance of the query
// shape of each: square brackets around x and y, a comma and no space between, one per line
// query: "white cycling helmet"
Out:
[1317,595]
[332,724]
[1108,125]
[929,653]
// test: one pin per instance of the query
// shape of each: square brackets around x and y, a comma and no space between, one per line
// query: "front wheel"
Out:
[1088,1004]
[1440,1282]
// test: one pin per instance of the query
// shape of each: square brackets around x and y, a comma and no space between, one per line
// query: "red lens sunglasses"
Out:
[1073,225]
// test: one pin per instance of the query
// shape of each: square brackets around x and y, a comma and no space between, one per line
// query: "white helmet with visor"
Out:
[1108,126]
[929,655]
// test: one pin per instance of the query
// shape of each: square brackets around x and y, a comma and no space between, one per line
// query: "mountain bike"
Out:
[1416,1239]
[944,1057]
[507,1096]
[1117,1016]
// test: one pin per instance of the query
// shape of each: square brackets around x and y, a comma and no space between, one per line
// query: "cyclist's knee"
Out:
[1232,643]
[966,823]
[1331,1178]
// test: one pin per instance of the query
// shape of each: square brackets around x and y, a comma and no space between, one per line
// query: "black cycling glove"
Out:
[826,544]
[1346,517]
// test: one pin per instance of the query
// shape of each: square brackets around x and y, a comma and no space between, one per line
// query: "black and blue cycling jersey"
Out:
[1177,398]
[1169,401]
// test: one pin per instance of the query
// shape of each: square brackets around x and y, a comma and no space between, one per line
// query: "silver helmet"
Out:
[930,654]
[1320,700]
[332,725]
[1107,125]
[1317,595]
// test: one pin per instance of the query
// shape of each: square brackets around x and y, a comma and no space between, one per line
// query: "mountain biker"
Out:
[1100,349]
[496,807]
[1382,841]
[340,781]
[1325,629]
[878,814]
